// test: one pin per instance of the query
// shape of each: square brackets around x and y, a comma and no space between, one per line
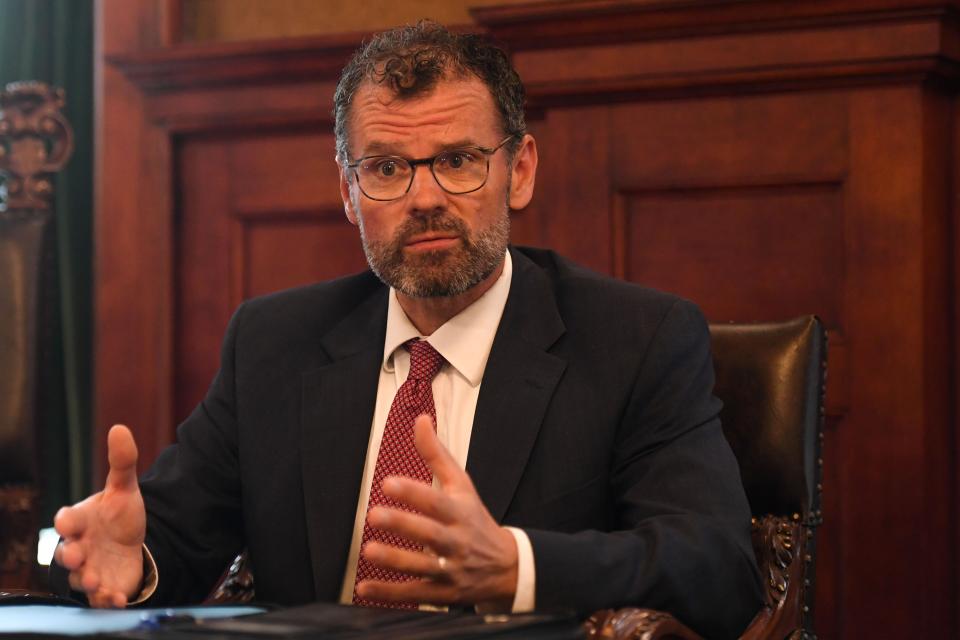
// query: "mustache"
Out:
[438,222]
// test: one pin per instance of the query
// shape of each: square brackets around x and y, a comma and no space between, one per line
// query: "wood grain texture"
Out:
[763,158]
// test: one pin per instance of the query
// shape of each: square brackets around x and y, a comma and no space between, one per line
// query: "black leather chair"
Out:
[771,379]
[35,141]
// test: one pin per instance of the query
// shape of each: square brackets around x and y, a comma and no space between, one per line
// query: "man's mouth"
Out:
[431,241]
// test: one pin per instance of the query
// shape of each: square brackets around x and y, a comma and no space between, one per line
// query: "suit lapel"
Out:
[518,383]
[338,403]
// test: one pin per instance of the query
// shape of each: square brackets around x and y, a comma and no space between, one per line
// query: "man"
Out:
[473,424]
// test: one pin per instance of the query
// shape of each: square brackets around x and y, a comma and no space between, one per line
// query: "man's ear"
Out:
[348,207]
[523,173]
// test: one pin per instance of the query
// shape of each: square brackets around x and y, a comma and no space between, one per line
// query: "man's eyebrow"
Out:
[377,148]
[459,144]
[381,148]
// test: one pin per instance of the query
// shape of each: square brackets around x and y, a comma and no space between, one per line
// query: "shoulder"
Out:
[313,308]
[592,300]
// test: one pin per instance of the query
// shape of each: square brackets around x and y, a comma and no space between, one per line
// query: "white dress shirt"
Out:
[464,341]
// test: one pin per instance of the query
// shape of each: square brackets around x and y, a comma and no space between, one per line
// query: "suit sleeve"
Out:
[681,541]
[192,493]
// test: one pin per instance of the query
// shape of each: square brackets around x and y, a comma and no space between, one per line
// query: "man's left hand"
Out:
[468,558]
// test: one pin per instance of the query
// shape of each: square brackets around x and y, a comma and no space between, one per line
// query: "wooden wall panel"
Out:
[258,213]
[133,199]
[763,158]
[293,171]
[573,220]
[739,251]
[953,316]
[288,251]
[203,300]
[884,444]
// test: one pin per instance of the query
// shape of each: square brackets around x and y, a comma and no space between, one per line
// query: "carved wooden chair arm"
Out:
[235,585]
[631,623]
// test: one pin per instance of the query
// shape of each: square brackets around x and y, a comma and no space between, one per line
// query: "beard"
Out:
[440,273]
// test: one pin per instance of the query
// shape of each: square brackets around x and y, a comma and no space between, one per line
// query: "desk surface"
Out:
[318,620]
[65,620]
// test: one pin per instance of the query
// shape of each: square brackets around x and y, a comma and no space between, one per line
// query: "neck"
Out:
[429,314]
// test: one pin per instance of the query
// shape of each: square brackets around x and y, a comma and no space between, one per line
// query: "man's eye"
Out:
[456,159]
[386,168]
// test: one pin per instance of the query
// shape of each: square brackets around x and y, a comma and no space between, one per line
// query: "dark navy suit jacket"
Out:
[595,431]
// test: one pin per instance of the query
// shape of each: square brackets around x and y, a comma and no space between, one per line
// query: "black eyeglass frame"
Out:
[414,163]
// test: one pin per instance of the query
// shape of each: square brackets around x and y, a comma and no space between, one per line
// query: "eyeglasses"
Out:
[457,171]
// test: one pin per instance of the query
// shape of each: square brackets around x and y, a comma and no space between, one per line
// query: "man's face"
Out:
[429,243]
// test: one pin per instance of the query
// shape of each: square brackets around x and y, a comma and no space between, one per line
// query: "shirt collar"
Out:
[464,340]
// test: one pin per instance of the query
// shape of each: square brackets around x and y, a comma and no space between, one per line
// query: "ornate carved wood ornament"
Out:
[35,142]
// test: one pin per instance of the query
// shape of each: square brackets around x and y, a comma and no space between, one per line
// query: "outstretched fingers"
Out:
[71,522]
[70,555]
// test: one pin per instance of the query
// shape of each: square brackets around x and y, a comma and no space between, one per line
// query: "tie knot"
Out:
[425,361]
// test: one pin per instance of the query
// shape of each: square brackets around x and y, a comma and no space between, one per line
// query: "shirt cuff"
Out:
[524,601]
[150,578]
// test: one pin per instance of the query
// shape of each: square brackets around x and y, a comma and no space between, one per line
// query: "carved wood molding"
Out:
[238,63]
[632,623]
[784,550]
[187,66]
[933,70]
[539,28]
[35,142]
[537,25]
[18,543]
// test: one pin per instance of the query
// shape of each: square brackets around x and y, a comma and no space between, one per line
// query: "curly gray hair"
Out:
[411,60]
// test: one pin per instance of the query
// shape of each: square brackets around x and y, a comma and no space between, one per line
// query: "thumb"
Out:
[436,456]
[122,456]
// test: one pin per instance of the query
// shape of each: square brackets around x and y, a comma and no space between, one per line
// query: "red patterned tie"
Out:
[398,457]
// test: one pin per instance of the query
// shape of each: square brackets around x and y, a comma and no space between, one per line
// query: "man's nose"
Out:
[425,193]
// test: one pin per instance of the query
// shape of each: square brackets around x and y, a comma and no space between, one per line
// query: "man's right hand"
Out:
[103,535]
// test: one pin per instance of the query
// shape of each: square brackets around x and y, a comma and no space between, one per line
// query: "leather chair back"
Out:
[771,379]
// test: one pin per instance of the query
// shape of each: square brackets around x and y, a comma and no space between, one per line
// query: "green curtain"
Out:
[52,41]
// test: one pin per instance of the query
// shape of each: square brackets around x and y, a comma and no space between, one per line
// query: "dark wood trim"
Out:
[954,321]
[188,65]
[539,25]
[235,63]
[134,210]
[933,70]
[217,124]
[524,27]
